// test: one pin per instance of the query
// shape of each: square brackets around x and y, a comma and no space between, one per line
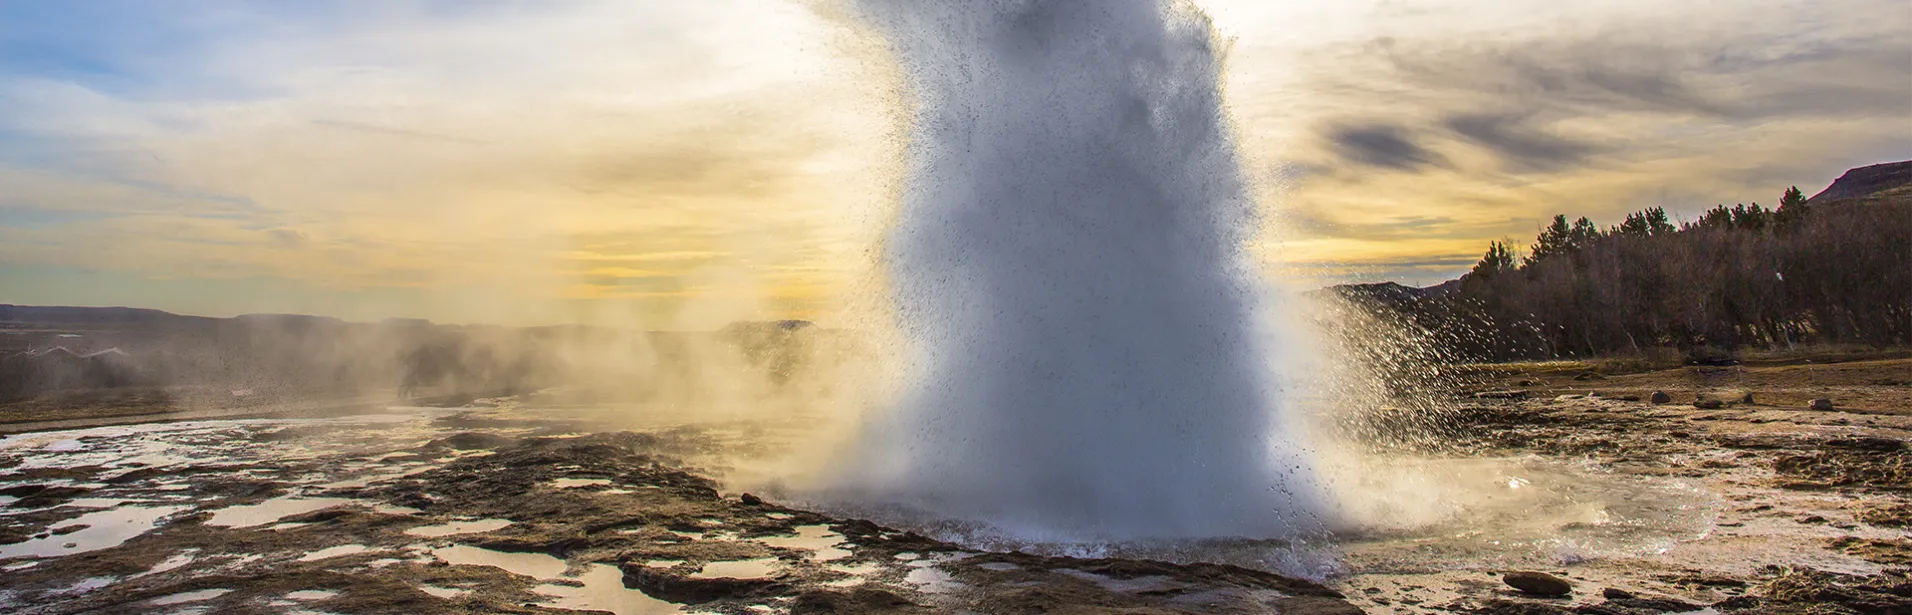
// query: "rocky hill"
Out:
[1891,180]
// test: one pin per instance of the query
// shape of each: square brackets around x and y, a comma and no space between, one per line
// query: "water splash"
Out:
[1069,270]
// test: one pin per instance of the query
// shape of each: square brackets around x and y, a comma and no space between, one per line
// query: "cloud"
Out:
[287,237]
[418,145]
[561,150]
[1490,118]
[1381,145]
[1314,223]
[1520,145]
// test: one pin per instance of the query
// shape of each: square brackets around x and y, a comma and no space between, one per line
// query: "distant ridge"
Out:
[1391,293]
[60,314]
[1887,180]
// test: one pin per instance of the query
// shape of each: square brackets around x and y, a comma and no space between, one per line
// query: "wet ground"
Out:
[1745,499]
[1748,507]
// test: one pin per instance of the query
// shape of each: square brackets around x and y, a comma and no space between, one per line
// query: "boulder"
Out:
[1537,583]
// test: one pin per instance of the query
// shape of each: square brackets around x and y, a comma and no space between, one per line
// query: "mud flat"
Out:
[1744,507]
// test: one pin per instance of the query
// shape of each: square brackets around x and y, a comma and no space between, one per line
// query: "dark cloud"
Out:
[1520,145]
[1381,145]
[1313,223]
[1503,96]
[1734,78]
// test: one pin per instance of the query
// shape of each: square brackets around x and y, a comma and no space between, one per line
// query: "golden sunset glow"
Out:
[681,165]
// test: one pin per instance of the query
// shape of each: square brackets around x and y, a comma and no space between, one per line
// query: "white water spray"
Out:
[1070,271]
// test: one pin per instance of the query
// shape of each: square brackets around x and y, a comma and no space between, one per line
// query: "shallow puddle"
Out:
[444,592]
[337,551]
[86,585]
[193,596]
[604,590]
[458,527]
[393,509]
[536,565]
[104,529]
[270,511]
[307,595]
[170,563]
[932,580]
[818,539]
[738,569]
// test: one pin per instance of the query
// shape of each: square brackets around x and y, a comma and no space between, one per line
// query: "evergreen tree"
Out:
[1792,208]
[1582,235]
[1556,240]
[1498,260]
[1793,198]
[1656,221]
[1750,218]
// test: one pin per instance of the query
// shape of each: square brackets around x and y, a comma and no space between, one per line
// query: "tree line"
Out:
[1735,277]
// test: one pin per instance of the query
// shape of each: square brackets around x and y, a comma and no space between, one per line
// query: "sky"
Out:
[685,164]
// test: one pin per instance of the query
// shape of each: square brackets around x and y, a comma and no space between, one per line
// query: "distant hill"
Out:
[1891,180]
[1391,293]
[65,315]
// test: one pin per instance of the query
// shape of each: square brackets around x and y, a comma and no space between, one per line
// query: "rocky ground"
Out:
[1810,505]
[1756,505]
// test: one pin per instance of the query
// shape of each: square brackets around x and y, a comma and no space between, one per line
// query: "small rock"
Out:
[1746,399]
[1709,404]
[750,500]
[1822,404]
[1537,583]
[1810,519]
[1660,397]
[1615,593]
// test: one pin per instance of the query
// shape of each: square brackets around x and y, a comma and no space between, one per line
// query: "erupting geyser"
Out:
[1070,271]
